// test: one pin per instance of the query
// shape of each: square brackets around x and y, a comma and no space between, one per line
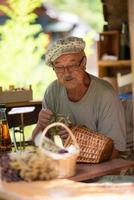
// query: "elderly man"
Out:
[86,99]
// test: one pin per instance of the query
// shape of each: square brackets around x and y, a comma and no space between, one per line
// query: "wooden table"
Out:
[70,190]
[65,190]
[29,118]
[89,171]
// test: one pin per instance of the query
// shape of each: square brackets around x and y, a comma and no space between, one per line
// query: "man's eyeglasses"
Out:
[71,68]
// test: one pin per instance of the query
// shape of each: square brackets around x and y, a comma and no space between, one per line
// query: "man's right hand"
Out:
[43,120]
[44,117]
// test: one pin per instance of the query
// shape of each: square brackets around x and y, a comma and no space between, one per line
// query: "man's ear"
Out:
[84,62]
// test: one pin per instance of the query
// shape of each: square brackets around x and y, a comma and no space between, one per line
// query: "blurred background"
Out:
[28,27]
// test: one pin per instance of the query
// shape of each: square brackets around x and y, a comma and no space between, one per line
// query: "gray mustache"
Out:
[68,78]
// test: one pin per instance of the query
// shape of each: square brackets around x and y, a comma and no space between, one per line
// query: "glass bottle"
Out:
[124,42]
[5,140]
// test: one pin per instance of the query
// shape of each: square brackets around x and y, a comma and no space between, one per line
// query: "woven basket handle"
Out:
[58,124]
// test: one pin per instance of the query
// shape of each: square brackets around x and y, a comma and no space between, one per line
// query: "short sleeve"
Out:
[111,120]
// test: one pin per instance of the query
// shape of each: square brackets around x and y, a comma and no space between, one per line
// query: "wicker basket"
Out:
[94,147]
[66,162]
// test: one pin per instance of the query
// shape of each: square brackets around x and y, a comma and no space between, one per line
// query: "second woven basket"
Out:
[94,147]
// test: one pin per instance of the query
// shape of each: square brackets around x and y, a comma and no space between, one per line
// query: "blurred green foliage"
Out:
[41,78]
[88,38]
[20,48]
[22,44]
[89,10]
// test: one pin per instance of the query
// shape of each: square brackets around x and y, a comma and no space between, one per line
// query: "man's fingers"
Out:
[63,134]
[47,111]
[64,137]
[44,117]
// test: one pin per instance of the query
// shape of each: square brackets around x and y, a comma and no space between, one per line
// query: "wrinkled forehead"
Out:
[69,58]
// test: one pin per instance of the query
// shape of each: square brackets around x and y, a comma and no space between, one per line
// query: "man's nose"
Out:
[66,70]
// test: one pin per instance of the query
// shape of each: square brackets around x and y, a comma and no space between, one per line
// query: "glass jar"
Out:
[5,139]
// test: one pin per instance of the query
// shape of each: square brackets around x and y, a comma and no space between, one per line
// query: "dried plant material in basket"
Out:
[28,165]
[46,162]
[94,147]
[65,159]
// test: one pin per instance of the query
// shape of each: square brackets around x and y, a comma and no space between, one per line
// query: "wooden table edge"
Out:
[124,164]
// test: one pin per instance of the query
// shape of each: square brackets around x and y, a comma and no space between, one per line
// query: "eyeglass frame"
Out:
[71,68]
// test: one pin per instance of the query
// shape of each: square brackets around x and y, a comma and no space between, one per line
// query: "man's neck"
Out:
[76,94]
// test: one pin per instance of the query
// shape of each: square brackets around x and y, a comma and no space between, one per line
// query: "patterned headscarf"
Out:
[64,46]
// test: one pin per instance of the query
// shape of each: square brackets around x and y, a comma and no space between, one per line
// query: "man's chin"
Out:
[70,86]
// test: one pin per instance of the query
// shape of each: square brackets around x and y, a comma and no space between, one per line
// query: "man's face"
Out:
[70,69]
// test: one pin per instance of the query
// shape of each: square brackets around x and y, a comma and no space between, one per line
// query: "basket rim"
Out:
[64,126]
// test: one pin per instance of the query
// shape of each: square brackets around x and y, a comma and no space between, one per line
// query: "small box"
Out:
[108,44]
[16,95]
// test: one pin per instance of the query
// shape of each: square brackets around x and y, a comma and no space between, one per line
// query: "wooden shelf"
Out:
[109,44]
[111,67]
[115,63]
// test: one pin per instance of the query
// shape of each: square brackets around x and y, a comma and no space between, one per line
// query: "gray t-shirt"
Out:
[99,109]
